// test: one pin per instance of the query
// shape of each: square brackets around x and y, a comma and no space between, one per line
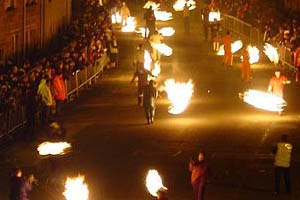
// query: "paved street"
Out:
[114,148]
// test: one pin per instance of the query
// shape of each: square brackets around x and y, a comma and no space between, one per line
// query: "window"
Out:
[10,4]
[31,2]
[15,43]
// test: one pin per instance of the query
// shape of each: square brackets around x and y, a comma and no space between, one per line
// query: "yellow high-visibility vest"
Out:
[283,155]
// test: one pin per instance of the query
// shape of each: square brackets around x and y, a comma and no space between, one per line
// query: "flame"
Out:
[214,15]
[130,25]
[272,53]
[166,31]
[147,65]
[253,53]
[179,94]
[53,148]
[163,49]
[179,5]
[163,15]
[155,6]
[116,18]
[264,101]
[154,182]
[147,60]
[235,46]
[76,189]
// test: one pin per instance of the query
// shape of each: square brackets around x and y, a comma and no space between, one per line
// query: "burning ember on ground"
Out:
[53,148]
[130,25]
[179,94]
[214,15]
[154,182]
[163,49]
[253,53]
[235,46]
[155,6]
[116,18]
[166,31]
[264,101]
[76,189]
[272,53]
[179,5]
[163,15]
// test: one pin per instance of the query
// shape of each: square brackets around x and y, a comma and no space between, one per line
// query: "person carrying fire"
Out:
[245,66]
[154,40]
[150,20]
[277,82]
[125,13]
[297,63]
[149,96]
[142,74]
[139,56]
[228,58]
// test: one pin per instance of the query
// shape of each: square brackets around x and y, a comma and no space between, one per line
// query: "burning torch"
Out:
[155,186]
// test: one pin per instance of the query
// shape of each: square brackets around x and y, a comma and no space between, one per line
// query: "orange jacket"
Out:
[227,40]
[59,88]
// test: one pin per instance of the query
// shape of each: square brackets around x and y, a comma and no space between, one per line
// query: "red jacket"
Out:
[297,58]
[59,88]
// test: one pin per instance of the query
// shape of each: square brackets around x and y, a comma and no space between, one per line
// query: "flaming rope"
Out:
[253,53]
[154,182]
[76,189]
[235,46]
[179,94]
[130,25]
[165,31]
[163,15]
[163,49]
[53,148]
[179,5]
[271,53]
[264,101]
[155,6]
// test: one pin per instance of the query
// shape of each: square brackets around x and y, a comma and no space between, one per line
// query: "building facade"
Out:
[26,25]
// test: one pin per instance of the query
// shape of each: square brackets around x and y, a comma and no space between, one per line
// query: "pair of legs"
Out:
[246,72]
[140,95]
[228,58]
[285,171]
[149,112]
[155,54]
[199,190]
[45,114]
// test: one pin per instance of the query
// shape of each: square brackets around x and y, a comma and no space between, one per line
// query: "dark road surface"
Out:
[114,148]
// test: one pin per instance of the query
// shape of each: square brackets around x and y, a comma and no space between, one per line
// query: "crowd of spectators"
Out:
[87,39]
[280,26]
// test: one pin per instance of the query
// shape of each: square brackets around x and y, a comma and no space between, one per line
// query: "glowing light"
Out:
[76,189]
[130,25]
[271,53]
[214,15]
[116,18]
[264,101]
[235,46]
[163,49]
[163,15]
[253,53]
[179,5]
[179,94]
[155,6]
[154,182]
[166,31]
[53,148]
[147,60]
[156,71]
[148,66]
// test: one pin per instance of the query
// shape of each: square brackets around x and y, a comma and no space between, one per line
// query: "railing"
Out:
[252,34]
[14,119]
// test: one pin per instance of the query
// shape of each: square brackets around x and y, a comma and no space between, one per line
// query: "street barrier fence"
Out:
[16,118]
[252,34]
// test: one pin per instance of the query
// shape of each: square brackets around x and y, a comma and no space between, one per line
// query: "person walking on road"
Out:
[125,13]
[59,90]
[138,59]
[45,95]
[150,20]
[186,18]
[142,74]
[156,39]
[282,163]
[149,96]
[277,82]
[199,170]
[246,69]
[228,58]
